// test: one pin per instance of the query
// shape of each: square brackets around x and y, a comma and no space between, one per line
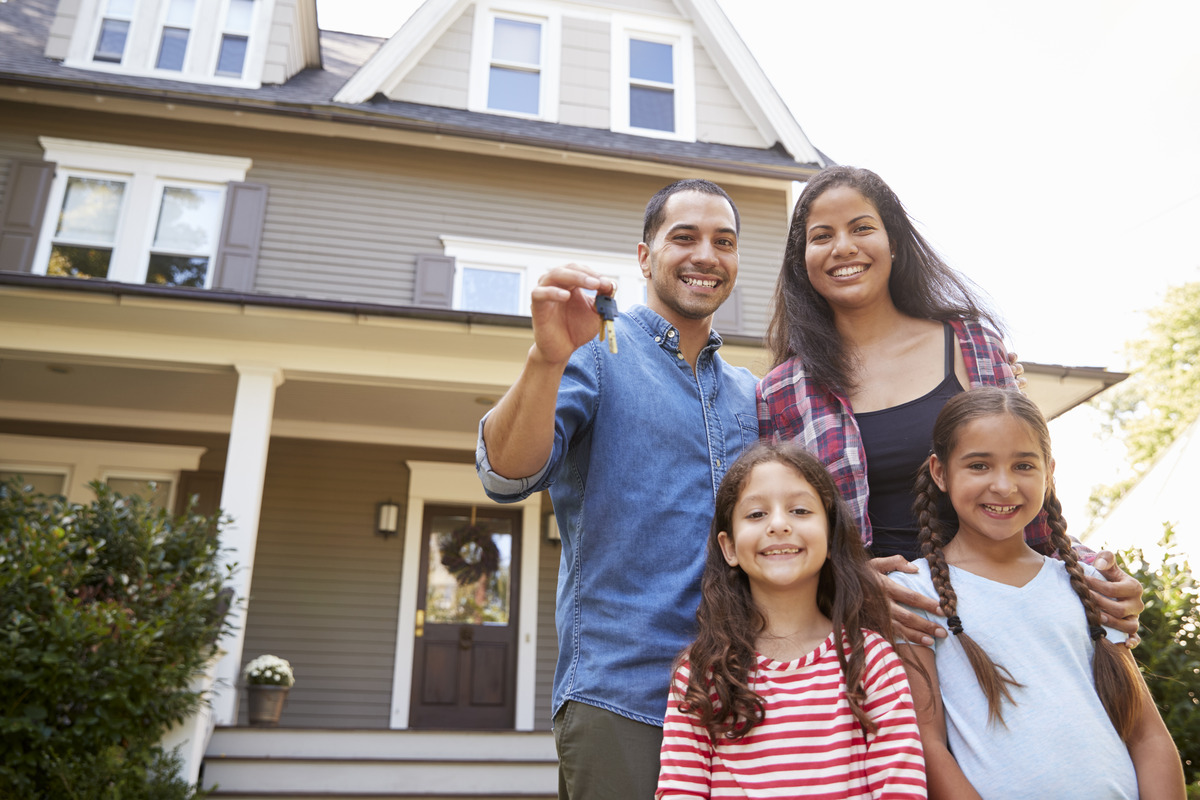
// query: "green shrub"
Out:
[1169,655]
[107,613]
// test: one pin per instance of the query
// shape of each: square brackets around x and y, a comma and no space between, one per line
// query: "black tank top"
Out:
[896,442]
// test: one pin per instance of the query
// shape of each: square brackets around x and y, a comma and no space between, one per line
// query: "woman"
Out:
[871,333]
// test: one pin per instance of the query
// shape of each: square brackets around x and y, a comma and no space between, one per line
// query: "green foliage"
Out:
[1169,654]
[107,613]
[1162,396]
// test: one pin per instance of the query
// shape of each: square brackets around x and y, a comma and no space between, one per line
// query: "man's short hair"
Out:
[653,219]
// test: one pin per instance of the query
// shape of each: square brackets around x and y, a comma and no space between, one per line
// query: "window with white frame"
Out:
[209,41]
[653,91]
[514,65]
[132,214]
[495,276]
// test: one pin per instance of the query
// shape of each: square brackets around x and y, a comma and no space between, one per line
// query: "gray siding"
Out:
[442,76]
[547,639]
[720,117]
[66,16]
[585,92]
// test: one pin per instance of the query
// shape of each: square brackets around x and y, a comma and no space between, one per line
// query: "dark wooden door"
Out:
[464,670]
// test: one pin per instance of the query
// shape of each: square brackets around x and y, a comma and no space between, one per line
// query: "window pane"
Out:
[233,55]
[121,8]
[39,482]
[491,291]
[179,13]
[177,270]
[79,262]
[112,40]
[517,42]
[90,210]
[188,220]
[513,90]
[158,493]
[241,12]
[172,49]
[650,61]
[469,571]
[652,108]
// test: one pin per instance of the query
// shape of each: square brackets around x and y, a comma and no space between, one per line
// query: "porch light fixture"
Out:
[387,518]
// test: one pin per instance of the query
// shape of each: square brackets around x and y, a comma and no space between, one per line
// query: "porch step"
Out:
[302,764]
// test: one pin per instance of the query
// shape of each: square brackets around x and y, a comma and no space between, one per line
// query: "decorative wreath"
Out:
[469,554]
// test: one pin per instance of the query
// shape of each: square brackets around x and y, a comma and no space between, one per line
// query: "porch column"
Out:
[241,499]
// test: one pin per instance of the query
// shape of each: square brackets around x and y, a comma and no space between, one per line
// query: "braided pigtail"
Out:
[1118,682]
[993,679]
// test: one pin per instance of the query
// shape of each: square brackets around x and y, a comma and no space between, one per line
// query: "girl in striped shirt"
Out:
[791,688]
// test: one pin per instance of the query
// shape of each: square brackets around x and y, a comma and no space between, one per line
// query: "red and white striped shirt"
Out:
[809,743]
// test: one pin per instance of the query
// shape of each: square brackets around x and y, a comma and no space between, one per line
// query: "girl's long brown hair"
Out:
[1117,680]
[848,592]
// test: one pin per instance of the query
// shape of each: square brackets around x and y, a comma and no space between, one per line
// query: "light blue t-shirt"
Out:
[1056,741]
[640,445]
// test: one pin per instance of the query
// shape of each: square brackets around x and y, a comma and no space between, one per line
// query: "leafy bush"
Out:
[1169,654]
[107,613]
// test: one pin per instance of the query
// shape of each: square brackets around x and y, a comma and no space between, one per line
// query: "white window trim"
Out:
[86,460]
[146,171]
[533,261]
[145,35]
[550,18]
[679,36]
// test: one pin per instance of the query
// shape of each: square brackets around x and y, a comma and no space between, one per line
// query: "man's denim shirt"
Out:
[640,446]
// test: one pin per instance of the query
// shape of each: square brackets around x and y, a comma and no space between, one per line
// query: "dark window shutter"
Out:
[241,235]
[25,198]
[434,284]
[728,318]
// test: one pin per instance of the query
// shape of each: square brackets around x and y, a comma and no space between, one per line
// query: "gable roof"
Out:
[736,64]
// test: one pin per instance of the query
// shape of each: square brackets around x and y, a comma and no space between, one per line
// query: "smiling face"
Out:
[692,264]
[780,531]
[996,478]
[847,252]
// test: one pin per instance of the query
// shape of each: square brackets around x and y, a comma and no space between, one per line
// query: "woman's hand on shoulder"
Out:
[1018,371]
[910,627]
[1118,596]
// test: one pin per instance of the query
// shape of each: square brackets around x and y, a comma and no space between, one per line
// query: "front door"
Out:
[464,670]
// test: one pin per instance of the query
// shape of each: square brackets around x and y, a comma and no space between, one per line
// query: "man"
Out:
[632,447]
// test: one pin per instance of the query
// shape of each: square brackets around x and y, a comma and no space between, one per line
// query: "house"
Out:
[286,270]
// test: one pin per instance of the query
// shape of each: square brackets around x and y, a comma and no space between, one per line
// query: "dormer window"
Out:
[514,65]
[114,31]
[653,89]
[172,45]
[205,41]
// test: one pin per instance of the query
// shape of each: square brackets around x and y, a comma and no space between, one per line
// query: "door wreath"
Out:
[469,554]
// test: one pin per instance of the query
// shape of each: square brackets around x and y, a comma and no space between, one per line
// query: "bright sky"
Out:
[1050,150]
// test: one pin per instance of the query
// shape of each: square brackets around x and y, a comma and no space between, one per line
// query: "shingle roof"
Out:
[25,25]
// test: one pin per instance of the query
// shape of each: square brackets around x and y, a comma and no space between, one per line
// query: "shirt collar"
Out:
[663,332]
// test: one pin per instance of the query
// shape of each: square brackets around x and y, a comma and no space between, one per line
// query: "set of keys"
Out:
[606,307]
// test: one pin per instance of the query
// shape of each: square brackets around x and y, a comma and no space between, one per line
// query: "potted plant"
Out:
[267,679]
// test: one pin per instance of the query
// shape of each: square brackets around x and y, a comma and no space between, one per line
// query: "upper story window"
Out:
[496,277]
[653,92]
[209,41]
[134,214]
[515,63]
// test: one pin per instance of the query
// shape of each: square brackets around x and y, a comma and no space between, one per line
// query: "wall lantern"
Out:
[387,518]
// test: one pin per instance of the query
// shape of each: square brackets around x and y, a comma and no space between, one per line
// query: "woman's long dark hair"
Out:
[848,592]
[921,284]
[1118,682]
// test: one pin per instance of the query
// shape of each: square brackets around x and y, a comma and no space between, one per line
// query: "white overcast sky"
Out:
[1049,148]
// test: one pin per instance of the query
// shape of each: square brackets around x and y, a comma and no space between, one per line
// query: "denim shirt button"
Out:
[670,333]
[658,340]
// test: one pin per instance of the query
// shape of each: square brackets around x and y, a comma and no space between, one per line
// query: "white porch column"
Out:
[241,499]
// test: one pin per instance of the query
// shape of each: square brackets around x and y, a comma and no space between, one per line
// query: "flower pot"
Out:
[266,704]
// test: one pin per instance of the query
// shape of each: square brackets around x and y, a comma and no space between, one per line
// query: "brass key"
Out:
[606,307]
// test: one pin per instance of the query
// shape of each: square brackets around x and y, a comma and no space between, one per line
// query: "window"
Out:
[653,92]
[231,59]
[496,277]
[514,66]
[114,31]
[173,42]
[208,41]
[134,214]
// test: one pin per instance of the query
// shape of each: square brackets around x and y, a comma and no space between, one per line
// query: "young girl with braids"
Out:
[1030,697]
[791,687]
